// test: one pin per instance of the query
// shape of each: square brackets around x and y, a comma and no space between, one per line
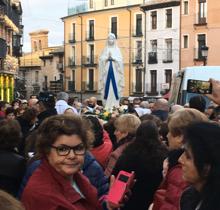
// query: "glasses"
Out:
[64,150]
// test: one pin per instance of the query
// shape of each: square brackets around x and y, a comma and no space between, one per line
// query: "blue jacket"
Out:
[91,169]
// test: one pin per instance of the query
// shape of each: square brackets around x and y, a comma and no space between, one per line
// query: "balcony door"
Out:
[91,79]
[139,80]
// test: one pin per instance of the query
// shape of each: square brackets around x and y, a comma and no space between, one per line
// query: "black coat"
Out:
[147,163]
[12,169]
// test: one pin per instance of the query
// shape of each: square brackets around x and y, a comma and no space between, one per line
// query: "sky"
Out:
[45,14]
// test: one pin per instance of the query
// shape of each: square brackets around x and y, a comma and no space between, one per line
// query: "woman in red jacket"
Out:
[168,195]
[58,183]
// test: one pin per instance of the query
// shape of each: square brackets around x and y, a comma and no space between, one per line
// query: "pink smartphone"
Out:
[122,183]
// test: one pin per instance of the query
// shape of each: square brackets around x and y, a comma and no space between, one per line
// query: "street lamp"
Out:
[204,51]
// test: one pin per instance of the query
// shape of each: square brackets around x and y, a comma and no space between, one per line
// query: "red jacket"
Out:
[102,152]
[48,190]
[167,197]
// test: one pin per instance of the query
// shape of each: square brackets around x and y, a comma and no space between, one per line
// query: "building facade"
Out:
[42,68]
[200,27]
[11,32]
[86,29]
[162,44]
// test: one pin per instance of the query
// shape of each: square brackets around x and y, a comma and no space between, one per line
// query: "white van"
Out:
[179,95]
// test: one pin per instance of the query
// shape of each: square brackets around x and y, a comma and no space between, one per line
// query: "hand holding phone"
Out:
[120,187]
[199,86]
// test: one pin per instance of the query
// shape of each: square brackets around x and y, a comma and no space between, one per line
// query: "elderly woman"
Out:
[201,167]
[58,182]
[126,126]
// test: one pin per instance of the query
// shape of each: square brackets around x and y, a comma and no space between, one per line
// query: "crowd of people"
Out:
[59,153]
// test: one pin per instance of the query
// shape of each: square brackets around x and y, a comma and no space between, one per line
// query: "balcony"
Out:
[60,67]
[90,37]
[137,59]
[137,88]
[3,47]
[30,62]
[152,58]
[72,38]
[90,61]
[90,86]
[71,86]
[56,86]
[168,57]
[200,21]
[71,62]
[137,34]
[198,55]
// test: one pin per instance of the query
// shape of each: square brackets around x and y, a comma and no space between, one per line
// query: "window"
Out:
[138,25]
[139,51]
[154,45]
[185,7]
[201,42]
[168,49]
[35,46]
[40,45]
[154,20]
[90,4]
[36,76]
[185,41]
[106,3]
[91,79]
[169,18]
[73,54]
[153,81]
[168,76]
[112,2]
[71,84]
[202,11]
[91,53]
[114,26]
[91,30]
[74,31]
[138,82]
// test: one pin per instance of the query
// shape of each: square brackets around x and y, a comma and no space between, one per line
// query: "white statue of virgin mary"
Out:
[111,73]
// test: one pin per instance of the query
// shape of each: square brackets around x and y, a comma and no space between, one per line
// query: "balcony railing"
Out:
[90,61]
[152,58]
[200,20]
[60,66]
[198,54]
[90,86]
[30,62]
[71,85]
[3,47]
[137,59]
[90,36]
[167,57]
[137,34]
[137,88]
[71,62]
[72,38]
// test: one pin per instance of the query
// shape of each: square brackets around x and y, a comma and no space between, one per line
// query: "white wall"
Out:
[161,34]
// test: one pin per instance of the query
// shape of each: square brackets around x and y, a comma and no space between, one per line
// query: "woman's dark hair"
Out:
[97,129]
[55,126]
[151,117]
[204,141]
[10,110]
[147,131]
[10,134]
[29,114]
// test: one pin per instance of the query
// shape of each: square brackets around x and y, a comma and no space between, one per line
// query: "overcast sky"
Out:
[45,14]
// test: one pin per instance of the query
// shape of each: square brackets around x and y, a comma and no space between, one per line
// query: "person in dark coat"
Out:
[46,104]
[201,167]
[145,157]
[12,165]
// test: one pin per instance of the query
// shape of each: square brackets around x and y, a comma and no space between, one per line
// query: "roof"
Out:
[156,4]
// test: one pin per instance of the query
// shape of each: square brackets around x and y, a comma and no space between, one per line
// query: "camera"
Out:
[122,183]
[199,86]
